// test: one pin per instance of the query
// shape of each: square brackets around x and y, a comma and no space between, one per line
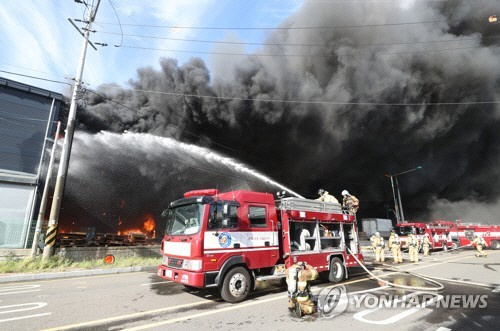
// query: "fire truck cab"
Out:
[438,235]
[231,240]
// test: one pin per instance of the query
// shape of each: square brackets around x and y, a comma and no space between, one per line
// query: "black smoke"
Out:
[336,146]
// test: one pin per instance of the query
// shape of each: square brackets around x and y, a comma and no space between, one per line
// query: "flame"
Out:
[149,224]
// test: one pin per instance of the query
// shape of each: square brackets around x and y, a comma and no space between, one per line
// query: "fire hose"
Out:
[407,287]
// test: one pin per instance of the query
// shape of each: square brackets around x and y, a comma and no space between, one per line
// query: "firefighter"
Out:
[326,197]
[426,244]
[395,245]
[350,202]
[299,290]
[379,244]
[372,242]
[479,242]
[413,248]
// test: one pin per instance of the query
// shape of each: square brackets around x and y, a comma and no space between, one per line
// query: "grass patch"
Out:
[13,264]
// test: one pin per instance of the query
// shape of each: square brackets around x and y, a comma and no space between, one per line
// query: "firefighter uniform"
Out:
[350,202]
[426,244]
[379,244]
[479,242]
[326,197]
[372,242]
[413,248]
[299,291]
[395,245]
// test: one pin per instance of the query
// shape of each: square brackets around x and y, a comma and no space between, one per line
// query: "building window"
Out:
[257,217]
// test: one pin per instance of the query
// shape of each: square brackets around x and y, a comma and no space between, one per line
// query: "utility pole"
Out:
[398,204]
[50,238]
[396,207]
[43,203]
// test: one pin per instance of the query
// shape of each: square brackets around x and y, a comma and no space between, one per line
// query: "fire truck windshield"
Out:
[403,230]
[184,219]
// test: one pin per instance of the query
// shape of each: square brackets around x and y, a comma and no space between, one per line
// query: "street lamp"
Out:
[400,218]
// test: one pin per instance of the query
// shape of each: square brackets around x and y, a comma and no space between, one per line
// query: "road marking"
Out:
[23,317]
[129,316]
[206,313]
[441,328]
[167,281]
[37,305]
[18,289]
[81,277]
[461,282]
[117,318]
[407,312]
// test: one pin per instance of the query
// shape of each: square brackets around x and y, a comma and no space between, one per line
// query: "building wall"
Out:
[24,118]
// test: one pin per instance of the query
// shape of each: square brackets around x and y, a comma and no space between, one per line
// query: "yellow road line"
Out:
[75,278]
[121,317]
[232,307]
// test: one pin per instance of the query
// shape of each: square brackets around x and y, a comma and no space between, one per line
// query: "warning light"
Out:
[109,259]
[492,18]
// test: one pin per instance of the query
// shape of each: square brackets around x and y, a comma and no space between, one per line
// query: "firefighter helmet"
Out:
[377,234]
[321,191]
[345,192]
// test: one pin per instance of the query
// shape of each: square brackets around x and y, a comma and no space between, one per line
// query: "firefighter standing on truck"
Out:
[350,202]
[379,245]
[326,197]
[426,244]
[299,290]
[413,248]
[395,246]
[479,242]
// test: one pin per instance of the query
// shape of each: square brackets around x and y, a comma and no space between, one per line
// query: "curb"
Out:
[71,274]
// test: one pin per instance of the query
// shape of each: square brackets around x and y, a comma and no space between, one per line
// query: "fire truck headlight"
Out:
[194,265]
[165,260]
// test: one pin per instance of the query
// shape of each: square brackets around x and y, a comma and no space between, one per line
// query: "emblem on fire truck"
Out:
[224,239]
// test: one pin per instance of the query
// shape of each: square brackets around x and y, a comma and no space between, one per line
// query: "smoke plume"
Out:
[443,68]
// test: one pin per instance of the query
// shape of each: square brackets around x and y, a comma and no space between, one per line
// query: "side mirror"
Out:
[164,213]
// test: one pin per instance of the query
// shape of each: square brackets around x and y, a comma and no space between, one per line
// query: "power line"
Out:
[296,55]
[118,18]
[26,68]
[276,28]
[291,44]
[399,104]
[34,77]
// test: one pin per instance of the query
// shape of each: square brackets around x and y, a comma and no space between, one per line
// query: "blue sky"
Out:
[38,40]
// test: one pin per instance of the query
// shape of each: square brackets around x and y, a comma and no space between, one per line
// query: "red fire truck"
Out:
[231,240]
[490,233]
[438,235]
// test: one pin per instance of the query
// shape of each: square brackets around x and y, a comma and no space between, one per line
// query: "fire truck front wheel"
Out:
[337,271]
[236,285]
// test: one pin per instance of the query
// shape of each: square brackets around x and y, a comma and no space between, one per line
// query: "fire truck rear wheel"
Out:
[495,244]
[236,285]
[454,244]
[337,271]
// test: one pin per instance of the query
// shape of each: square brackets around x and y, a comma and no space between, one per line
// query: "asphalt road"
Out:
[143,301]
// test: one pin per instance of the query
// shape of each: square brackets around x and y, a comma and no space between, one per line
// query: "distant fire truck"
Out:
[438,235]
[231,240]
[490,233]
